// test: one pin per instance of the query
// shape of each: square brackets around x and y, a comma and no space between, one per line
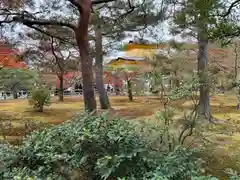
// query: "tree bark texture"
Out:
[129,87]
[61,89]
[116,85]
[162,90]
[103,96]
[204,101]
[81,33]
[238,97]
[236,63]
[176,79]
[15,94]
[236,78]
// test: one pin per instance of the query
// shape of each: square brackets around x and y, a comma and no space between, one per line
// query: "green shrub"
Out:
[178,164]
[233,174]
[40,97]
[92,144]
[93,147]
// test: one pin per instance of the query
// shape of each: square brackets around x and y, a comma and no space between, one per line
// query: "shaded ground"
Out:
[19,119]
[18,112]
[223,149]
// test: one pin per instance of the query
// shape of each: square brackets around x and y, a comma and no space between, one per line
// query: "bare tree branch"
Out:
[101,1]
[29,22]
[77,3]
[50,34]
[57,59]
[233,4]
[29,19]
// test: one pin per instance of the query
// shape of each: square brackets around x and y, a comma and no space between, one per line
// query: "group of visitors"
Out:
[7,94]
[111,89]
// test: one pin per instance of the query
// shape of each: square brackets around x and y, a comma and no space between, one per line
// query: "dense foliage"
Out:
[90,147]
[40,96]
[15,80]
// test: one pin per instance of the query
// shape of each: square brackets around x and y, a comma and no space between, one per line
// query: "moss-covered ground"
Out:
[17,119]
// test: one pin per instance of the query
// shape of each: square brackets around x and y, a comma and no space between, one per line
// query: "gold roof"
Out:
[146,53]
[135,57]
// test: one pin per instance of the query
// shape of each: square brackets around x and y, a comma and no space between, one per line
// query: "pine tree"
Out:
[196,18]
[112,26]
[71,11]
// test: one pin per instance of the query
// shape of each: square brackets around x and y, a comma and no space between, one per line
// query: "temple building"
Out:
[134,55]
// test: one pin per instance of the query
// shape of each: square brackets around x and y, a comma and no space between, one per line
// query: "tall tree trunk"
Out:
[116,85]
[15,94]
[236,63]
[176,79]
[129,88]
[236,69]
[236,78]
[238,97]
[61,90]
[169,84]
[40,109]
[81,33]
[204,101]
[103,96]
[162,90]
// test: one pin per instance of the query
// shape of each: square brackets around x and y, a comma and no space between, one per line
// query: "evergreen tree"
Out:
[197,18]
[46,14]
[112,26]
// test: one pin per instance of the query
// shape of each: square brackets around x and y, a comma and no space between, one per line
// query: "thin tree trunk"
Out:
[15,95]
[170,84]
[40,109]
[162,91]
[238,97]
[129,87]
[204,101]
[176,79]
[236,63]
[236,70]
[61,90]
[14,91]
[236,75]
[103,96]
[86,61]
[116,85]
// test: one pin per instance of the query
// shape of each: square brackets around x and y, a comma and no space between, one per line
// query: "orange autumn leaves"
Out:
[9,58]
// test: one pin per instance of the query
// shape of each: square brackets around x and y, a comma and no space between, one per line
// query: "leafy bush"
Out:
[92,144]
[40,97]
[233,174]
[188,89]
[90,147]
[179,164]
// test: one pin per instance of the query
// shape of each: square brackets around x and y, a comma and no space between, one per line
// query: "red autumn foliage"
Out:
[108,79]
[9,57]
